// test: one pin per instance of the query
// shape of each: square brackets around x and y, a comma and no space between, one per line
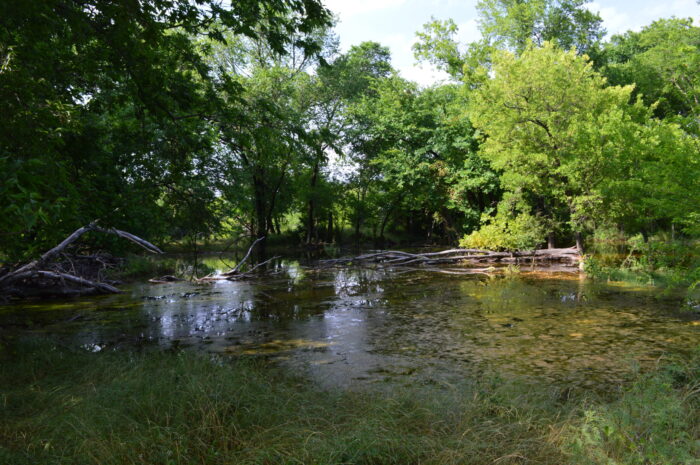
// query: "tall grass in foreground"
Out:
[59,406]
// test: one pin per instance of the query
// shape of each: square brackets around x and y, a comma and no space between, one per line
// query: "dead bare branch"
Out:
[35,273]
[240,264]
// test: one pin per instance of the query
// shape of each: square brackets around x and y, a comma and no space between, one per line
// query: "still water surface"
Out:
[350,326]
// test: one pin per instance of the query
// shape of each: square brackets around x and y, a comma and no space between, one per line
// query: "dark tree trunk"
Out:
[269,223]
[311,221]
[645,234]
[385,220]
[579,242]
[329,231]
[358,220]
[260,210]
[550,241]
[276,223]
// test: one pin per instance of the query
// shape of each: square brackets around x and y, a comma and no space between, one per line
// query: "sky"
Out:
[394,23]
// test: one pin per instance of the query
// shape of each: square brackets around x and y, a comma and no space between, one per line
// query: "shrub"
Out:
[506,232]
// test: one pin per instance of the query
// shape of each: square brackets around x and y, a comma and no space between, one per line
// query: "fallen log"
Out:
[46,276]
[399,258]
[164,279]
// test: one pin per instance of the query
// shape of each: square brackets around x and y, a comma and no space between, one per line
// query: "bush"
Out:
[504,232]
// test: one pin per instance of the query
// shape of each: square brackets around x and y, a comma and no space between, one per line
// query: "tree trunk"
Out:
[579,242]
[311,221]
[329,231]
[276,224]
[358,221]
[269,224]
[385,220]
[260,210]
[550,241]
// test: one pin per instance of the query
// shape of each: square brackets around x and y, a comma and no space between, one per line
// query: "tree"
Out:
[269,125]
[421,149]
[99,95]
[663,62]
[572,148]
[334,87]
[514,24]
[508,25]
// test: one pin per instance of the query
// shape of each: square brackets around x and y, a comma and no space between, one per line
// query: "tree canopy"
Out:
[183,120]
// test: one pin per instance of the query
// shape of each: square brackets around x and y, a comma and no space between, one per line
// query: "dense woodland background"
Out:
[189,121]
[185,121]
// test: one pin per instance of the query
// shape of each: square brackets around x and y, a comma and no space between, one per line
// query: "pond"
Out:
[351,326]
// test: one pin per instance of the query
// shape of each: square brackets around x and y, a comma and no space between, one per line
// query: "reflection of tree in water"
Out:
[352,320]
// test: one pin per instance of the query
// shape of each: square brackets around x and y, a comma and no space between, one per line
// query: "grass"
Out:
[63,406]
[661,261]
[656,421]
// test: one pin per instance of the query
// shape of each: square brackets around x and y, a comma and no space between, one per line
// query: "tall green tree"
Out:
[508,25]
[98,96]
[270,125]
[663,62]
[576,151]
[514,24]
[420,146]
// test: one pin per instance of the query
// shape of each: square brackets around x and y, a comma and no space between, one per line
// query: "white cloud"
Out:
[618,22]
[347,8]
[403,60]
[424,75]
[468,32]
[614,21]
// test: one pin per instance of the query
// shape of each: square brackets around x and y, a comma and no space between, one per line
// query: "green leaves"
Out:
[576,149]
[663,62]
[514,24]
[107,107]
[506,231]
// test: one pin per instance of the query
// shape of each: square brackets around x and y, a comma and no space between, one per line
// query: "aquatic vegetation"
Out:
[660,261]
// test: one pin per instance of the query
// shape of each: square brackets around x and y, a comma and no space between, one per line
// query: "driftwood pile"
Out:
[58,273]
[402,261]
[431,260]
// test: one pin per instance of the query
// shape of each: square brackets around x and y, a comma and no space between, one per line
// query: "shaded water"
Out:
[359,325]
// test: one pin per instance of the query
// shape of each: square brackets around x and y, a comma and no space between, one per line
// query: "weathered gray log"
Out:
[235,274]
[401,258]
[107,288]
[128,236]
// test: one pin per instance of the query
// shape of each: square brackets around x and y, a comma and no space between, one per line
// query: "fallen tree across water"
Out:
[430,260]
[58,273]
